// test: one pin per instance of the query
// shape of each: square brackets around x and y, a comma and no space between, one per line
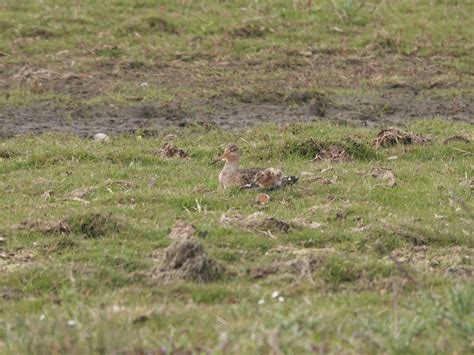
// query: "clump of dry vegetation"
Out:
[257,221]
[387,175]
[169,150]
[46,226]
[334,153]
[393,136]
[185,258]
[457,138]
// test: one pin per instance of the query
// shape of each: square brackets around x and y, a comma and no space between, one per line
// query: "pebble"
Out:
[101,137]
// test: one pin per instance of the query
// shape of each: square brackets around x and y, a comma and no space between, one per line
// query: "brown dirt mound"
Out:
[169,150]
[187,260]
[393,136]
[334,153]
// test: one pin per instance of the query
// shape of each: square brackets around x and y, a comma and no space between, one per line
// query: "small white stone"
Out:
[71,323]
[101,137]
[144,84]
[42,317]
[281,299]
[275,294]
[261,301]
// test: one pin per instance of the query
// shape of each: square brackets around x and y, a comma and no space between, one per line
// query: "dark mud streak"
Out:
[390,107]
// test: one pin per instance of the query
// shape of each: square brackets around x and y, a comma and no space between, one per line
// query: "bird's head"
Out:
[231,153]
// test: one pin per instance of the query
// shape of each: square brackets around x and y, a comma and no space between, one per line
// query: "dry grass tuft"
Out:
[182,231]
[457,138]
[57,226]
[386,175]
[186,260]
[169,150]
[393,136]
[257,221]
[333,153]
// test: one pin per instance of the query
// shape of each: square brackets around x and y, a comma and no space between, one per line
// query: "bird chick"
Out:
[269,178]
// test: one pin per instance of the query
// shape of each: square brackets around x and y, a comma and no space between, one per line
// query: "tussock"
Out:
[96,225]
[187,260]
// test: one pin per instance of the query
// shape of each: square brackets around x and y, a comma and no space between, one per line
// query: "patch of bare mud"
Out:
[390,107]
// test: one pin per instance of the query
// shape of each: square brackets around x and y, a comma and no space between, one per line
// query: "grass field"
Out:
[388,268]
[191,52]
[372,254]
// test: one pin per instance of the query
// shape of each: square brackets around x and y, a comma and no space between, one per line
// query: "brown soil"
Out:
[400,89]
[394,107]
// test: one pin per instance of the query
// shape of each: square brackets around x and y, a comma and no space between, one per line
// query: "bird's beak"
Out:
[222,157]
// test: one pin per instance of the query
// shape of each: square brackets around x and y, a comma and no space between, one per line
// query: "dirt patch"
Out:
[393,136]
[169,150]
[86,121]
[186,259]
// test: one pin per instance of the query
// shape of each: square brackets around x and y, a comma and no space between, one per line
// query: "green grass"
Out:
[188,50]
[356,298]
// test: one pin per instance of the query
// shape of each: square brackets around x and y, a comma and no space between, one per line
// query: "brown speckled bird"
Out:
[233,176]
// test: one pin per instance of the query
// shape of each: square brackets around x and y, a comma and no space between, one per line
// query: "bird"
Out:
[233,176]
